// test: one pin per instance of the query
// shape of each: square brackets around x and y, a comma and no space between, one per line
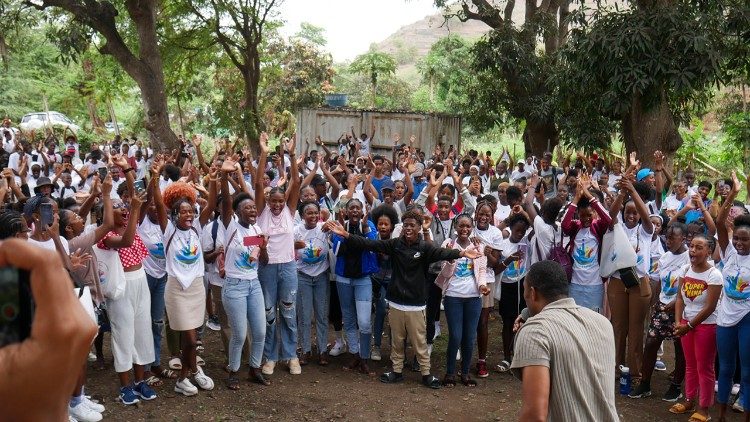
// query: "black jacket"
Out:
[408,284]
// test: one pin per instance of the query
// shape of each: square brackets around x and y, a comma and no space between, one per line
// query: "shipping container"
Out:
[330,123]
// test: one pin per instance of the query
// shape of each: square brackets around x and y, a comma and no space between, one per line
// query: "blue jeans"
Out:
[313,297]
[355,295]
[156,288]
[728,341]
[243,303]
[462,315]
[379,287]
[591,297]
[279,283]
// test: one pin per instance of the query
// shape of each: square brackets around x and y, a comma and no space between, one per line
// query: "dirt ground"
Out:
[330,393]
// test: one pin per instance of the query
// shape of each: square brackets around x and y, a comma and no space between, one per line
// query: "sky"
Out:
[352,25]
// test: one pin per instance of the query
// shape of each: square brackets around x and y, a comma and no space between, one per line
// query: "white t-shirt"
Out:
[735,299]
[493,238]
[208,244]
[313,258]
[640,240]
[695,292]
[519,174]
[462,283]
[280,232]
[657,251]
[184,254]
[545,236]
[671,268]
[241,257]
[364,147]
[155,265]
[501,213]
[50,244]
[586,258]
[517,269]
[672,203]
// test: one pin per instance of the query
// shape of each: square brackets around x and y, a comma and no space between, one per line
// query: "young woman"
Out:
[491,239]
[184,293]
[661,326]
[514,266]
[695,323]
[385,219]
[278,276]
[241,294]
[462,300]
[353,271]
[311,243]
[733,322]
[629,306]
[12,224]
[586,286]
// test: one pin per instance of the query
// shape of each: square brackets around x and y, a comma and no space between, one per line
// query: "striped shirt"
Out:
[578,346]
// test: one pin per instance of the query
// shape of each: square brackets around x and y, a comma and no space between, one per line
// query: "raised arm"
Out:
[294,187]
[367,190]
[721,222]
[658,171]
[260,198]
[108,222]
[161,209]
[335,187]
[528,202]
[197,140]
[126,239]
[640,206]
[226,199]
[209,209]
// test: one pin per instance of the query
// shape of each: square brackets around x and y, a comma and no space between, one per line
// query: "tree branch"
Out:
[486,13]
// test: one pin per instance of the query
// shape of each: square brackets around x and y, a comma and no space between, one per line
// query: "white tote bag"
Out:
[617,253]
[111,273]
[86,302]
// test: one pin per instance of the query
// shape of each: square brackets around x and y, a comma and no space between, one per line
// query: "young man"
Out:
[556,385]
[379,178]
[407,291]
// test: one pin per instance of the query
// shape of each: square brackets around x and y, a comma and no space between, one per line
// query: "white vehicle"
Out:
[110,127]
[38,121]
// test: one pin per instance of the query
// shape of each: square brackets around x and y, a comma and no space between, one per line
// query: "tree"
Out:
[374,65]
[239,27]
[312,34]
[446,70]
[142,61]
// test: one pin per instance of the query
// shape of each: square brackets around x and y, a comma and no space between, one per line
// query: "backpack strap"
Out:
[214,232]
[169,242]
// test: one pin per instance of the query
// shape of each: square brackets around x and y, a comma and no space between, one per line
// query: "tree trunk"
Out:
[4,52]
[250,117]
[96,122]
[88,73]
[179,116]
[537,136]
[646,131]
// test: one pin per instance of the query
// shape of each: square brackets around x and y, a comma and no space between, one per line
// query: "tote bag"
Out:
[617,253]
[111,273]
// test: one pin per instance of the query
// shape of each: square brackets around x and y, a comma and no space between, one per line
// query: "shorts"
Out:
[489,300]
[511,300]
[662,322]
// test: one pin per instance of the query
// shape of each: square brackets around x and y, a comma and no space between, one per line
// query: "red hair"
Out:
[177,191]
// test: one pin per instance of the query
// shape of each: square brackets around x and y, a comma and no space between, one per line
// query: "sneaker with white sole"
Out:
[72,419]
[203,380]
[735,389]
[294,367]
[268,367]
[127,395]
[375,354]
[92,357]
[184,386]
[144,391]
[339,347]
[213,323]
[737,406]
[437,331]
[96,407]
[83,413]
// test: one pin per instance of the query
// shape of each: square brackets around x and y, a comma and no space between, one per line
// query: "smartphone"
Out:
[102,173]
[139,185]
[16,306]
[252,240]
[46,215]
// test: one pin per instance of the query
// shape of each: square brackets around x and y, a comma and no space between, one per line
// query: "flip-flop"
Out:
[175,363]
[449,381]
[680,408]
[504,366]
[154,381]
[167,374]
[697,417]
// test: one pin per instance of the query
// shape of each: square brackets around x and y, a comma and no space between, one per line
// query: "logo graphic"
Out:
[735,287]
[465,268]
[584,256]
[245,262]
[417,255]
[693,287]
[157,251]
[189,254]
[669,284]
[312,254]
[654,267]
[515,269]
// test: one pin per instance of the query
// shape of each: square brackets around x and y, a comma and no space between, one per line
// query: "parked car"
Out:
[37,121]
[110,127]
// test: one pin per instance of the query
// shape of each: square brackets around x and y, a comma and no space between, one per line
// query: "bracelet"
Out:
[129,169]
[690,325]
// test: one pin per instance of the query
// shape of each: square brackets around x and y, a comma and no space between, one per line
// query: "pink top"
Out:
[130,256]
[280,232]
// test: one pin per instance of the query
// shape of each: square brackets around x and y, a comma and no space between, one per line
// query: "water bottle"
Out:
[624,380]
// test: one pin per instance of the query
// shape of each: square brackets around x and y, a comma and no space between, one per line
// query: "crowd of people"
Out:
[269,247]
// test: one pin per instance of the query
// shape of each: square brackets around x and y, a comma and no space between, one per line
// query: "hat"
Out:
[418,170]
[42,181]
[522,162]
[644,173]
[388,184]
[317,180]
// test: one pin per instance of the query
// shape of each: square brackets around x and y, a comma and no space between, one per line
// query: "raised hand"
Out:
[658,159]
[228,166]
[426,221]
[336,228]
[263,141]
[634,160]
[120,161]
[106,185]
[735,183]
[137,199]
[79,259]
[197,140]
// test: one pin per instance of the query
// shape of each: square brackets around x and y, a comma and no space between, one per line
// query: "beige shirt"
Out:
[578,346]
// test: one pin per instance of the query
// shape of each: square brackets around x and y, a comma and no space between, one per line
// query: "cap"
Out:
[418,170]
[388,184]
[42,181]
[521,162]
[644,173]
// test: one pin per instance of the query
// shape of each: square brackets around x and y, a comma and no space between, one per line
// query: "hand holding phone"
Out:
[46,215]
[139,186]
[102,172]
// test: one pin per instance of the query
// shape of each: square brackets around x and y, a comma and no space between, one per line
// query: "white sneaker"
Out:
[735,389]
[96,407]
[185,387]
[716,386]
[92,357]
[294,367]
[458,354]
[83,413]
[203,380]
[339,347]
[375,354]
[437,331]
[72,419]
[268,367]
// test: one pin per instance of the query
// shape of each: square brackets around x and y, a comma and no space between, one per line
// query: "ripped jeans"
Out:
[355,295]
[279,284]
[156,288]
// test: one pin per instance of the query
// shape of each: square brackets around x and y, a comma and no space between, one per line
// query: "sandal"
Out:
[697,417]
[430,381]
[504,366]
[392,377]
[323,359]
[354,364]
[199,361]
[175,363]
[233,383]
[256,375]
[449,381]
[467,381]
[167,374]
[364,368]
[154,381]
[680,408]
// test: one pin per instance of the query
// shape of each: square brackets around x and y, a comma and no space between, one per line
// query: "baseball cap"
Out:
[643,173]
[317,180]
[388,184]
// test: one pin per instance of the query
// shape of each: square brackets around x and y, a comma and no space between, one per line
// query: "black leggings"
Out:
[434,298]
[334,308]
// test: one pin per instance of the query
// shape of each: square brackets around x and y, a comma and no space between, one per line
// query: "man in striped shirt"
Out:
[564,353]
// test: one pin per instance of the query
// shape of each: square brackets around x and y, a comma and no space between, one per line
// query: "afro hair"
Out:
[177,191]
